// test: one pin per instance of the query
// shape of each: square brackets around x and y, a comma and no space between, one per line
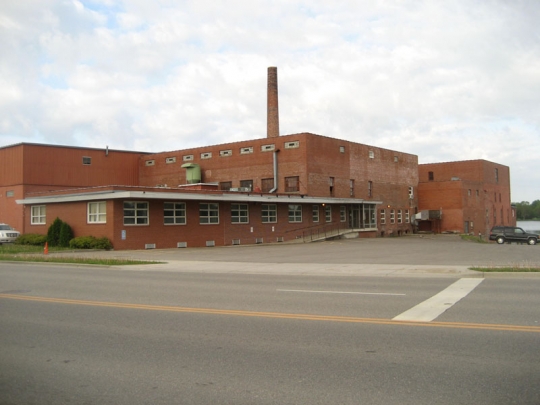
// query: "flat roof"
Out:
[156,195]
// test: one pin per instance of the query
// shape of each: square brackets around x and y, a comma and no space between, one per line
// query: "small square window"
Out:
[174,213]
[208,213]
[295,213]
[97,212]
[239,213]
[38,215]
[86,160]
[268,213]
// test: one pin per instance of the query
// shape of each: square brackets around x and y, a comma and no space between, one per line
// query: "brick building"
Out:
[258,191]
[279,188]
[470,196]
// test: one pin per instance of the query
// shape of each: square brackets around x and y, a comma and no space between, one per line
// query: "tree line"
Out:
[527,211]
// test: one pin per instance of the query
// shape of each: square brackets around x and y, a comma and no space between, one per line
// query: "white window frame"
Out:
[343,213]
[295,213]
[400,216]
[38,215]
[407,217]
[392,216]
[96,212]
[269,213]
[328,213]
[383,216]
[211,216]
[141,213]
[174,213]
[239,213]
[315,213]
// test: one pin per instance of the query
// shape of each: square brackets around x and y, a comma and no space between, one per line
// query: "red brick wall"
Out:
[315,160]
[477,197]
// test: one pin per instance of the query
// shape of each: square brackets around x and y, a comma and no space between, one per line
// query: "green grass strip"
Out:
[74,260]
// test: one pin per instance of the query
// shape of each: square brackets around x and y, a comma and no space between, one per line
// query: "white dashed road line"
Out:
[337,292]
[431,308]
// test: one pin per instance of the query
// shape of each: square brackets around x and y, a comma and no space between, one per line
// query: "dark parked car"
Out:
[503,234]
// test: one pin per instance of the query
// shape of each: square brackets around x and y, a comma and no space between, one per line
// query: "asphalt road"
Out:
[168,335]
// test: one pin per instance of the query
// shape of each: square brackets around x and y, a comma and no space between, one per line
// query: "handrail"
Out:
[315,232]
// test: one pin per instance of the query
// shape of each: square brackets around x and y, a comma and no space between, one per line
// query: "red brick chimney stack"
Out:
[272,122]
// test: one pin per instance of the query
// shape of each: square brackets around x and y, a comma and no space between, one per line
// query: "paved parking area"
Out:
[427,254]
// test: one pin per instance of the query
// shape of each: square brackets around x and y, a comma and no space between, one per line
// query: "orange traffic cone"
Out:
[46,249]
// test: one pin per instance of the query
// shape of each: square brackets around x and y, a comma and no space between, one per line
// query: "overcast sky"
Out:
[444,80]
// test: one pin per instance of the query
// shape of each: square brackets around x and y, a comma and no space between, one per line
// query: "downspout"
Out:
[275,172]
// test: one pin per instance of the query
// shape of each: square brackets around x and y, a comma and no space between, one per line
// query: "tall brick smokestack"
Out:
[272,121]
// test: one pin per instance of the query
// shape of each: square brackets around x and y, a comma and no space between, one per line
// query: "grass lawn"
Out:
[27,253]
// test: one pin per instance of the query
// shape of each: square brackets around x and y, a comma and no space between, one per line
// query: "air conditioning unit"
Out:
[210,243]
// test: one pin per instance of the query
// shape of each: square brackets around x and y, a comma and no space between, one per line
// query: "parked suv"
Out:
[8,234]
[503,234]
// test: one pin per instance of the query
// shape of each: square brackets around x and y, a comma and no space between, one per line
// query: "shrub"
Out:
[66,234]
[53,234]
[90,242]
[33,239]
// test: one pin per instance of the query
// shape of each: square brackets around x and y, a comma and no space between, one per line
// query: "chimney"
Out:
[272,121]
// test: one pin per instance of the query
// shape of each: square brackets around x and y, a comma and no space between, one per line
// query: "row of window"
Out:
[292,184]
[174,213]
[226,152]
[382,216]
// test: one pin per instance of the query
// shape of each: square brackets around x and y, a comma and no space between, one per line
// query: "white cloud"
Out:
[443,80]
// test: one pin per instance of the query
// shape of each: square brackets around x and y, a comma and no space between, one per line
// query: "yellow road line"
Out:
[276,315]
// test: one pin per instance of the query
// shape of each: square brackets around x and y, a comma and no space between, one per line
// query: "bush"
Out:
[66,234]
[53,234]
[33,239]
[90,242]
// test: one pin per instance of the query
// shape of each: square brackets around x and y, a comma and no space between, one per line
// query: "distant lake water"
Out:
[530,226]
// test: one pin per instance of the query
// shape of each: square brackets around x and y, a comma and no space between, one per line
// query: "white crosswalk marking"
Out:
[431,308]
